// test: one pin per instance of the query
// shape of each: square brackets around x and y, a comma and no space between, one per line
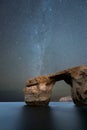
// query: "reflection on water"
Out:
[82,116]
[56,116]
[38,118]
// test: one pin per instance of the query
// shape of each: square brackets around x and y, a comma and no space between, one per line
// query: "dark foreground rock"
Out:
[39,89]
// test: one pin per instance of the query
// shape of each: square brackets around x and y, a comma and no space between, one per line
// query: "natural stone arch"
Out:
[39,89]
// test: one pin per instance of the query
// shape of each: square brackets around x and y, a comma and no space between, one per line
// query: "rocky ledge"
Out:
[39,89]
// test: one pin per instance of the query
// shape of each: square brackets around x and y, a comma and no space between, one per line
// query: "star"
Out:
[36,31]
[50,9]
[60,1]
[19,58]
[16,42]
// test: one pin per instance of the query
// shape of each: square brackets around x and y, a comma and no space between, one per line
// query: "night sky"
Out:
[39,37]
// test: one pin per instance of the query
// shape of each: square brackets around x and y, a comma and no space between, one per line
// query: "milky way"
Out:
[40,37]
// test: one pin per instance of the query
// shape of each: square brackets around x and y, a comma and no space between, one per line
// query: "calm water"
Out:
[56,116]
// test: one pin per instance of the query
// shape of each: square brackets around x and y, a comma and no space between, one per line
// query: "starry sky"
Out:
[39,37]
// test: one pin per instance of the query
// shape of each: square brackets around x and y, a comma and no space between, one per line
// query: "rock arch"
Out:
[39,89]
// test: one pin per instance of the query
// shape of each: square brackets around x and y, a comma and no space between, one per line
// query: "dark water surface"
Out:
[56,116]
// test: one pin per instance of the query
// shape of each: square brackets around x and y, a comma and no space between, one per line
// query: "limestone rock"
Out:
[65,99]
[38,90]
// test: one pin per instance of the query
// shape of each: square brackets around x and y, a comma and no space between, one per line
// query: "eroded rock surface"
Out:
[39,89]
[65,99]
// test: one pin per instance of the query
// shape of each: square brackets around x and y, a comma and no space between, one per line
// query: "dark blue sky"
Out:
[40,37]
